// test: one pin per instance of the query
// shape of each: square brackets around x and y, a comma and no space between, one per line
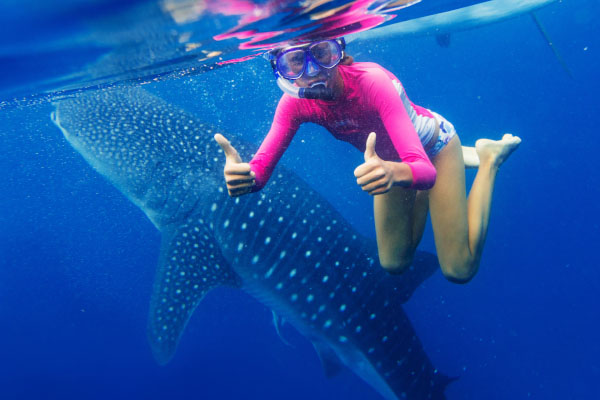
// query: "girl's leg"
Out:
[470,157]
[460,225]
[400,217]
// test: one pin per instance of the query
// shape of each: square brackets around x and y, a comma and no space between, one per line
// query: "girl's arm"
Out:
[386,99]
[377,176]
[243,178]
[285,124]
[238,176]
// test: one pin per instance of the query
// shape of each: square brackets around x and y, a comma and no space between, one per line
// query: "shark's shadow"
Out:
[286,246]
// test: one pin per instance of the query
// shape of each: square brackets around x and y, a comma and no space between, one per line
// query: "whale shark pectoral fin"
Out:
[190,266]
[329,360]
[278,323]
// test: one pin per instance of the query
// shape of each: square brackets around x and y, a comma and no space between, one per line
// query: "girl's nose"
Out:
[312,69]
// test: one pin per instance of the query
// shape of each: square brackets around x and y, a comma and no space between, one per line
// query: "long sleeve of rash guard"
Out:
[383,94]
[284,127]
[377,93]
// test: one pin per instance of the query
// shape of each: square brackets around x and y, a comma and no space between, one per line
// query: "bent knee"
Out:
[460,273]
[396,266]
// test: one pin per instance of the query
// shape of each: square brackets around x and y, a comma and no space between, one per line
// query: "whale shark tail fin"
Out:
[190,266]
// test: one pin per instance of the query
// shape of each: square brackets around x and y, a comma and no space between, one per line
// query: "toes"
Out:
[510,138]
[515,140]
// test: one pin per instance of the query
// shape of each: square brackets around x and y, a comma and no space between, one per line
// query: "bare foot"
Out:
[497,151]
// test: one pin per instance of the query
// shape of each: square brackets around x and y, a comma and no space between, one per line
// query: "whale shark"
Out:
[290,249]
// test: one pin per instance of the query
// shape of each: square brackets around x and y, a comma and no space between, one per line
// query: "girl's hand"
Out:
[375,176]
[238,176]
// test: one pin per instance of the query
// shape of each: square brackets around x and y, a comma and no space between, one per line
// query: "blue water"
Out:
[77,258]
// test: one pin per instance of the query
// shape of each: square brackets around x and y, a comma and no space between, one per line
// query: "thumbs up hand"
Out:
[374,175]
[238,176]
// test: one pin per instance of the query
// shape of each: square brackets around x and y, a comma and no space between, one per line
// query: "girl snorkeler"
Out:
[413,157]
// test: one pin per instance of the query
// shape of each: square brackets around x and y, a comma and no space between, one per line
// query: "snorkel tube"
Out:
[318,92]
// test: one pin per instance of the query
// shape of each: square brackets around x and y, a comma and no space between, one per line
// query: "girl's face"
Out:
[312,64]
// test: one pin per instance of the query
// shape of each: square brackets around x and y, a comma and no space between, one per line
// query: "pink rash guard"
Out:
[373,101]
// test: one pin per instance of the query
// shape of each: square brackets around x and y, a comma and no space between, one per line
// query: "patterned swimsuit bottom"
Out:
[446,133]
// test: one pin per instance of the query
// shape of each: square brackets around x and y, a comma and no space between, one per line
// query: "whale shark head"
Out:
[290,249]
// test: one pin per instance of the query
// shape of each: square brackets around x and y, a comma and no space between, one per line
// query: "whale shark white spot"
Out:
[270,272]
[157,165]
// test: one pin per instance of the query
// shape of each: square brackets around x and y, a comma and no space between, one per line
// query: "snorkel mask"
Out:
[291,63]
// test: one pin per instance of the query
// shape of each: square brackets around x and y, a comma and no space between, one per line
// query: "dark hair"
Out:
[347,60]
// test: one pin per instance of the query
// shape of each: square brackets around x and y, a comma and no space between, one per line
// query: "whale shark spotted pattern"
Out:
[289,248]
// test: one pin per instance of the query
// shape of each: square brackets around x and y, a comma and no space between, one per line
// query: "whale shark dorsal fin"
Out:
[329,360]
[190,266]
[424,265]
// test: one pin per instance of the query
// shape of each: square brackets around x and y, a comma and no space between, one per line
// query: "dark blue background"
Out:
[77,259]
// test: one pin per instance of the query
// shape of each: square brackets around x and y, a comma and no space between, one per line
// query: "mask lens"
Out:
[291,63]
[327,53]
